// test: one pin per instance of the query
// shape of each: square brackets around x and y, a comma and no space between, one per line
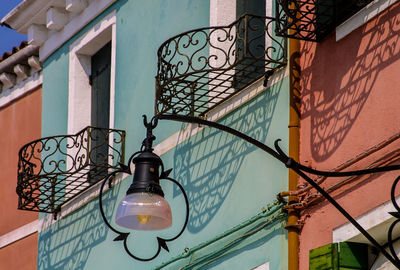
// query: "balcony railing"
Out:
[199,69]
[312,20]
[53,170]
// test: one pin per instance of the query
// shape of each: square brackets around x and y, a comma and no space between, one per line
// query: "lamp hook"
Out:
[147,144]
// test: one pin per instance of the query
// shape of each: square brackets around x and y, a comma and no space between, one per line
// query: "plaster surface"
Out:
[349,105]
[227,180]
[20,122]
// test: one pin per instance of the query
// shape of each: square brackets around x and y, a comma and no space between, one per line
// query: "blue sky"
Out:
[9,38]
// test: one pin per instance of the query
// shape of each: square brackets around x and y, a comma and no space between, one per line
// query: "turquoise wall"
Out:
[227,180]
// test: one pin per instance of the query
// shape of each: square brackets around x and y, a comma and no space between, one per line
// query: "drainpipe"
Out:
[294,138]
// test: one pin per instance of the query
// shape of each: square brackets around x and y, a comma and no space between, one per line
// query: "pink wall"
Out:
[350,103]
[20,123]
[21,255]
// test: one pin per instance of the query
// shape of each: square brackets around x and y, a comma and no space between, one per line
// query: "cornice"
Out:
[16,69]
[30,12]
[50,23]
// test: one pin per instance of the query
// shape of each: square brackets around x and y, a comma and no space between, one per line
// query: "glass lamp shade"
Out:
[144,211]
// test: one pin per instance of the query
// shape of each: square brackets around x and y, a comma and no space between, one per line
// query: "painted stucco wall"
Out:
[11,258]
[227,180]
[349,104]
[20,123]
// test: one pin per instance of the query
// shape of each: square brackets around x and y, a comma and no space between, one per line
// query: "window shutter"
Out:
[100,112]
[353,255]
[324,258]
[101,72]
[340,256]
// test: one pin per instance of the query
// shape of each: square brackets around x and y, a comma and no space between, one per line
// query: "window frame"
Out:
[79,87]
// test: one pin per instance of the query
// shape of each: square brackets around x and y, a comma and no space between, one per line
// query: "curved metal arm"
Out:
[194,120]
[301,170]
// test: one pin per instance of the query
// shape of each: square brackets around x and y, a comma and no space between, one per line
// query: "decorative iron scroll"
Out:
[305,172]
[312,20]
[123,236]
[53,170]
[201,68]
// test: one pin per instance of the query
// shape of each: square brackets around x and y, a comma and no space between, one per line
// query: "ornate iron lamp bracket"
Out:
[164,175]
[301,170]
[278,154]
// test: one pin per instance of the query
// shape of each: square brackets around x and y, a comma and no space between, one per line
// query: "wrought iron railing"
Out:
[312,20]
[53,170]
[201,68]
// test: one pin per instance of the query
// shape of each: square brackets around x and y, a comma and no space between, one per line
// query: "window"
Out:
[255,43]
[377,222]
[100,111]
[223,13]
[332,13]
[344,255]
[91,90]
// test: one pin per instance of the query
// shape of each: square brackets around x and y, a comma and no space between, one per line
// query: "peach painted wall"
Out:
[350,103]
[20,255]
[20,123]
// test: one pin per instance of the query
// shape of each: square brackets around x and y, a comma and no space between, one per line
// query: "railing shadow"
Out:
[207,163]
[333,97]
[67,244]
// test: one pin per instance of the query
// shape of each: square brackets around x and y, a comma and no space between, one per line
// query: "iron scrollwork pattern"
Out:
[304,171]
[53,170]
[391,241]
[123,236]
[201,68]
[312,20]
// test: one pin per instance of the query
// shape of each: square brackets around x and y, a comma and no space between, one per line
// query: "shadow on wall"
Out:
[265,236]
[339,76]
[207,163]
[67,244]
[214,256]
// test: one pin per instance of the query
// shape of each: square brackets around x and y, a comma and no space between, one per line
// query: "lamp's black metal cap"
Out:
[146,177]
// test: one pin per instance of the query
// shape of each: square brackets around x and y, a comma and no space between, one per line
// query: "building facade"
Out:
[348,115]
[99,60]
[20,121]
[319,75]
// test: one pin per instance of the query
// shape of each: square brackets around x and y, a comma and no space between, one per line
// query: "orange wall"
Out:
[350,103]
[20,123]
[20,255]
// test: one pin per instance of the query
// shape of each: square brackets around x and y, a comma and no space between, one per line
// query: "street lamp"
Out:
[146,183]
[144,207]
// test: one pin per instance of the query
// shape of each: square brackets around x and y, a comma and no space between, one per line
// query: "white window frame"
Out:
[80,90]
[79,98]
[223,13]
[376,222]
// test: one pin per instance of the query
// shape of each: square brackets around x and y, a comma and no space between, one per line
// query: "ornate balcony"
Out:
[201,68]
[312,20]
[53,170]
